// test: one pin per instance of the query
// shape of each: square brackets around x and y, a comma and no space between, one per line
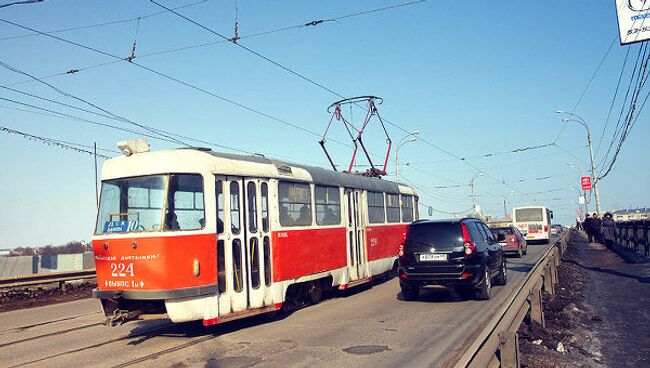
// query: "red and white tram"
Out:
[199,235]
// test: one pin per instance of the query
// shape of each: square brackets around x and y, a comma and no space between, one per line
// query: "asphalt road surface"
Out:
[365,327]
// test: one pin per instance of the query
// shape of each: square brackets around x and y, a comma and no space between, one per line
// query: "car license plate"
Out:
[433,257]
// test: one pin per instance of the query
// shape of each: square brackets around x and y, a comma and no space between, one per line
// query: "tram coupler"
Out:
[121,317]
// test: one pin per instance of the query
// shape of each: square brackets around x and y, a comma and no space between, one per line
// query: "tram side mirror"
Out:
[430,211]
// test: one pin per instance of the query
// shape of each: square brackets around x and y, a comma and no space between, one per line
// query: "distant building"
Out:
[5,252]
[632,214]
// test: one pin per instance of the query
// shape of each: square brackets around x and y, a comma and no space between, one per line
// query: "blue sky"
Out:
[472,77]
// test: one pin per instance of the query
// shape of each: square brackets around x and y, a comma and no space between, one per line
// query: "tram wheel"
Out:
[315,293]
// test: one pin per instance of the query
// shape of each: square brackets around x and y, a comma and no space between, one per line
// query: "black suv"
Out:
[461,253]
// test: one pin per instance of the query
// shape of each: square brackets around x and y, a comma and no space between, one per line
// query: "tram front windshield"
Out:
[151,203]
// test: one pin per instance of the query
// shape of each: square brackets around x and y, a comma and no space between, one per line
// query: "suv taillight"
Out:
[401,245]
[469,247]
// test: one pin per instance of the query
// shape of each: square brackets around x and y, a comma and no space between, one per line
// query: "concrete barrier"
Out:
[29,265]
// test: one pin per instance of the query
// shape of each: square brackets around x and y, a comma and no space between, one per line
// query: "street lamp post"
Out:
[594,177]
[471,185]
[505,207]
[412,138]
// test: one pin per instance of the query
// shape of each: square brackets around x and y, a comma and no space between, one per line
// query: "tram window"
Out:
[267,261]
[376,212]
[265,207]
[407,208]
[251,193]
[255,263]
[234,207]
[416,206]
[221,267]
[392,207]
[237,265]
[295,203]
[185,203]
[218,185]
[328,205]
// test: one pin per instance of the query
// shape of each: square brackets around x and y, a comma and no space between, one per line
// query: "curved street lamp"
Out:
[594,178]
[471,185]
[411,138]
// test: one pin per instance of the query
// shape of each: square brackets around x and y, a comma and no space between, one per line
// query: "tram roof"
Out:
[320,175]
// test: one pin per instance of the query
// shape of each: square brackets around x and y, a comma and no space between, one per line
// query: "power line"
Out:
[64,93]
[54,142]
[611,106]
[593,75]
[96,25]
[24,2]
[311,81]
[204,44]
[176,80]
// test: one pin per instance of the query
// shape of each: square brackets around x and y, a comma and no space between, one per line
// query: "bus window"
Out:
[328,205]
[251,193]
[294,201]
[376,211]
[237,265]
[255,263]
[218,190]
[221,267]
[185,203]
[407,208]
[267,261]
[265,207]
[392,207]
[234,207]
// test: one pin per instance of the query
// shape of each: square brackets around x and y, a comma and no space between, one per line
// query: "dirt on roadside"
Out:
[569,338]
[22,298]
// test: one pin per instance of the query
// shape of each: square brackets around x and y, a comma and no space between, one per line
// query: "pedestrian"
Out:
[595,225]
[608,230]
[587,226]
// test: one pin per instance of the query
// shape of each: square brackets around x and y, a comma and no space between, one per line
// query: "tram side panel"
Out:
[298,253]
[382,243]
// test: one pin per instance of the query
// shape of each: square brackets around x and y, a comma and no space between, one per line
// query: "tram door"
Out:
[257,247]
[357,264]
[243,244]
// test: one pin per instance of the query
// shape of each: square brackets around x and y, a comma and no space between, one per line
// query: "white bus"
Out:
[534,221]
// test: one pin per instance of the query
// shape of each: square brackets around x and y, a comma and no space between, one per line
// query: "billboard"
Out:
[633,20]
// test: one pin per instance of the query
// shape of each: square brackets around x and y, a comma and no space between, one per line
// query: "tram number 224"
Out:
[121,269]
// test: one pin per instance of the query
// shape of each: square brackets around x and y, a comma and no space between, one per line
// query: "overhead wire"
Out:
[96,25]
[54,142]
[94,105]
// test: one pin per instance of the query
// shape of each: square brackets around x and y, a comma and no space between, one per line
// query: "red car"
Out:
[511,240]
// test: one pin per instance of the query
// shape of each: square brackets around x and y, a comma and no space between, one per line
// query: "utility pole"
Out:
[96,185]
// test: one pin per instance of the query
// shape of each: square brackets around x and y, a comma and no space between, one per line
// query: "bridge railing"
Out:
[634,235]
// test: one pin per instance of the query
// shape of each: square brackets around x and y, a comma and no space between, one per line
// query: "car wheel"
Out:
[502,277]
[483,289]
[410,293]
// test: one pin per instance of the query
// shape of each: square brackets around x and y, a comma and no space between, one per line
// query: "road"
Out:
[366,327]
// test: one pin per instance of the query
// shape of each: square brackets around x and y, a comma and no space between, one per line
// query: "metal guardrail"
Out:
[46,278]
[634,235]
[498,344]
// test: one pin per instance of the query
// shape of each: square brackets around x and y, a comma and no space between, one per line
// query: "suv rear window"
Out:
[440,235]
[505,231]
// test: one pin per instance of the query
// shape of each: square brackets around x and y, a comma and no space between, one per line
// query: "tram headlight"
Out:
[196,267]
